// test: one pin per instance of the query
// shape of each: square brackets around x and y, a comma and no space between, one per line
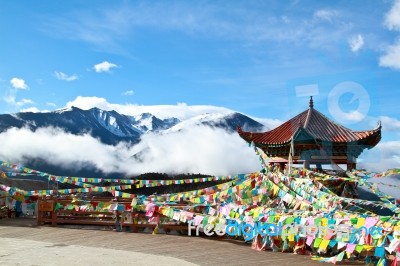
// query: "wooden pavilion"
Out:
[312,138]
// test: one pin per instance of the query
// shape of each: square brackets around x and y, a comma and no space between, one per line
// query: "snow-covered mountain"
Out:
[228,122]
[112,127]
[147,122]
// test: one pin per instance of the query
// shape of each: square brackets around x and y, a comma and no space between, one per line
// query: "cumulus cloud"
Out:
[391,56]
[65,77]
[18,83]
[104,67]
[181,111]
[356,43]
[391,53]
[392,18]
[128,93]
[390,124]
[196,150]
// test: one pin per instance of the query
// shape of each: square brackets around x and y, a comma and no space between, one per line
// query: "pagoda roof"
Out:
[315,124]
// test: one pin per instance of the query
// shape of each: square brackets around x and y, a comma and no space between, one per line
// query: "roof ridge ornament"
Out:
[311,102]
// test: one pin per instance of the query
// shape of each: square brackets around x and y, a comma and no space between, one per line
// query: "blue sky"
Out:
[261,58]
[238,55]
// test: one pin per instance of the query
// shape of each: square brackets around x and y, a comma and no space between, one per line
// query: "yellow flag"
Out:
[360,222]
[324,222]
[324,244]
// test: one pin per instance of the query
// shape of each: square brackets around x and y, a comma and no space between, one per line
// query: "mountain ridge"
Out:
[112,127]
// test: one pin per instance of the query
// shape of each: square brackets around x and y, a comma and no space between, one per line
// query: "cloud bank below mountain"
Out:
[195,150]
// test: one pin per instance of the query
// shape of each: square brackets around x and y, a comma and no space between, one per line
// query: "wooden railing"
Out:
[131,221]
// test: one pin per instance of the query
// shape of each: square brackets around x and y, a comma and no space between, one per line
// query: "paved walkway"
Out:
[23,243]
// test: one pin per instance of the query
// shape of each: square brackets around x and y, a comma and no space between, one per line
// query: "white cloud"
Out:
[352,117]
[128,93]
[356,43]
[63,76]
[181,110]
[10,98]
[391,58]
[392,18]
[390,124]
[385,155]
[31,109]
[24,102]
[18,83]
[57,147]
[108,28]
[196,150]
[326,14]
[104,67]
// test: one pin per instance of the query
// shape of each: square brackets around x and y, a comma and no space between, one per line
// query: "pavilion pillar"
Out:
[351,166]
[351,161]
[282,167]
[307,164]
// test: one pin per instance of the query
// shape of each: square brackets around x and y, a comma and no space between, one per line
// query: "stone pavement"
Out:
[24,243]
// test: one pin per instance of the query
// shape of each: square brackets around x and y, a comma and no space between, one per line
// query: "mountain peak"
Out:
[227,121]
[145,116]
